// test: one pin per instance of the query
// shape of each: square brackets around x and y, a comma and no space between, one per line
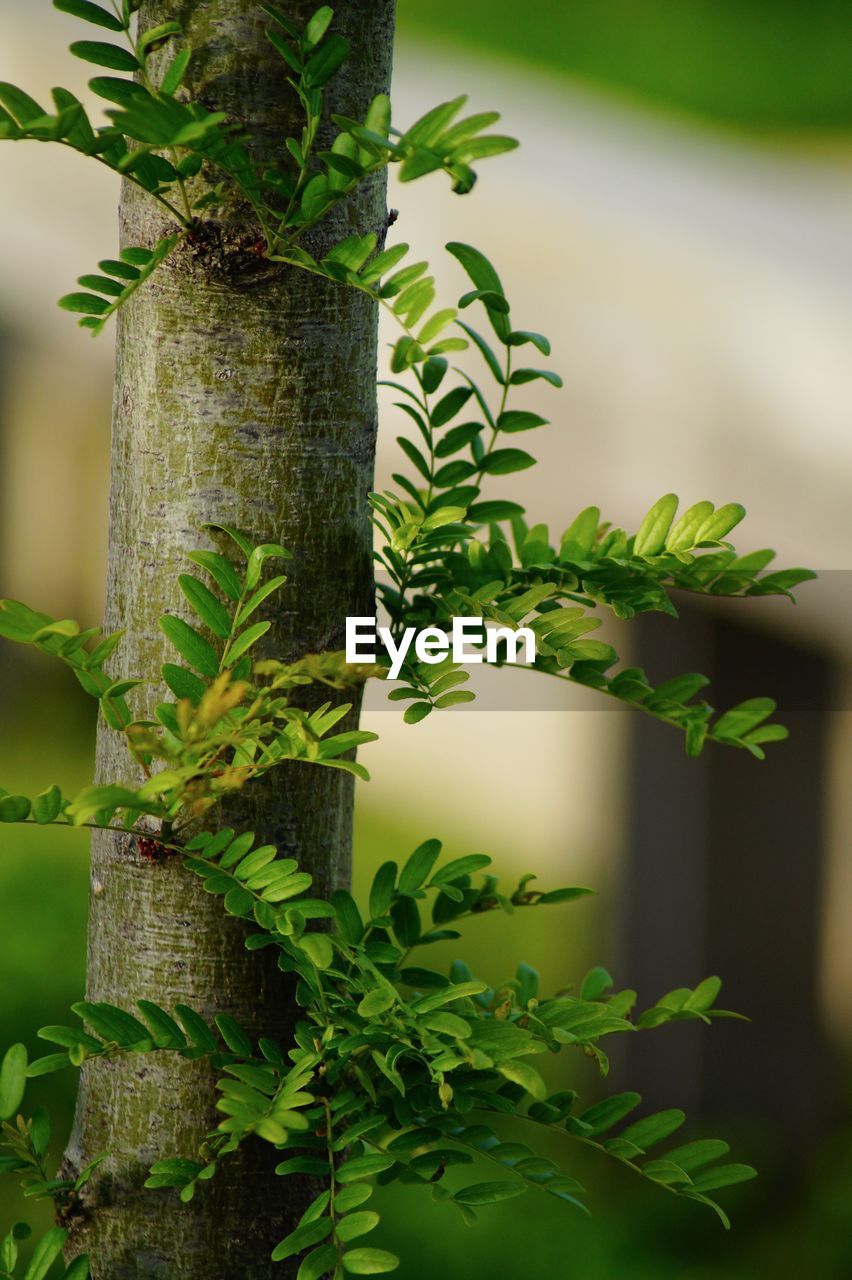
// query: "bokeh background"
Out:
[678,221]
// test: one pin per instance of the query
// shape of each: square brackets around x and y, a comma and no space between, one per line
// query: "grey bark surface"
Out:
[243,394]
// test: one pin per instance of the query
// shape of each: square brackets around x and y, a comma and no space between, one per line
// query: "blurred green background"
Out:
[762,64]
[778,75]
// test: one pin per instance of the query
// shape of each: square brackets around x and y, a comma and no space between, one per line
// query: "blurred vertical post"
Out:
[725,876]
[244,393]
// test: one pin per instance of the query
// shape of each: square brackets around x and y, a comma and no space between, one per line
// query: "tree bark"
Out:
[244,393]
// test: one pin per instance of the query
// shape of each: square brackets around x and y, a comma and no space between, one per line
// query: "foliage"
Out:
[397,1070]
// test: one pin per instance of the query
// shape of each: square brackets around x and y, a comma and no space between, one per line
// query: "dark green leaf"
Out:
[502,462]
[210,610]
[46,1251]
[348,916]
[183,683]
[603,1115]
[519,420]
[191,646]
[461,867]
[104,55]
[416,870]
[381,892]
[489,1192]
[318,1263]
[303,1237]
[89,13]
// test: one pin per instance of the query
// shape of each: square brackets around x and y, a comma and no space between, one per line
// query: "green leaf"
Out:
[521,376]
[191,646]
[196,1028]
[651,538]
[449,405]
[348,916]
[14,808]
[318,948]
[104,55]
[564,895]
[512,420]
[257,598]
[693,1155]
[318,1263]
[363,1167]
[741,719]
[489,1192]
[357,1224]
[258,557]
[492,511]
[477,267]
[520,1072]
[111,1022]
[221,570]
[236,535]
[318,25]
[303,1237]
[154,35]
[49,1063]
[647,1132]
[502,462]
[210,610]
[721,522]
[183,683]
[89,304]
[163,1026]
[369,1262]
[595,983]
[350,1197]
[726,1175]
[176,72]
[603,1115]
[381,892]
[579,538]
[330,56]
[448,1024]
[376,1002]
[683,534]
[47,805]
[89,13]
[704,995]
[79,1269]
[46,1251]
[13,1080]
[102,284]
[460,867]
[456,439]
[416,870]
[406,921]
[233,1035]
[416,712]
[245,641]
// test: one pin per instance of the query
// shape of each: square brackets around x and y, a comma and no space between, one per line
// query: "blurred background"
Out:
[678,222]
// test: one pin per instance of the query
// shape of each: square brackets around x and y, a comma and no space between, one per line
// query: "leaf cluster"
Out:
[399,1071]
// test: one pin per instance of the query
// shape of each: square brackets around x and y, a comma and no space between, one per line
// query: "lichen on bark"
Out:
[246,394]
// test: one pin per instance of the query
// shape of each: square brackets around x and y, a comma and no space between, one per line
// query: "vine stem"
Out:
[332,1184]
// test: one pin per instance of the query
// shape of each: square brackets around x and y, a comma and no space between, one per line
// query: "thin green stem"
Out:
[332,1182]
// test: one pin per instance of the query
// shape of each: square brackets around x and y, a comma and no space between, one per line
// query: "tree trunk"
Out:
[244,393]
